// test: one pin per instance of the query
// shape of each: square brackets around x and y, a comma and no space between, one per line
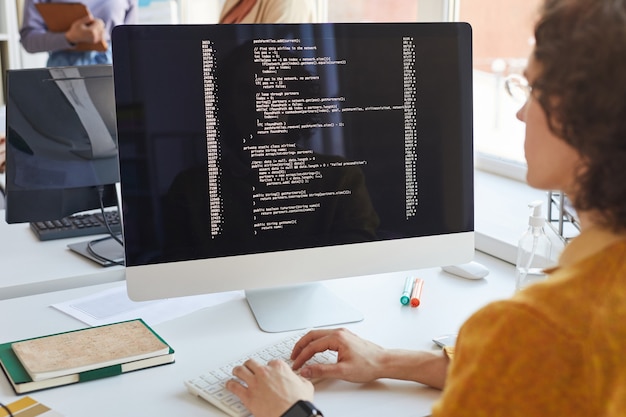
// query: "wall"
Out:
[372,11]
[501,30]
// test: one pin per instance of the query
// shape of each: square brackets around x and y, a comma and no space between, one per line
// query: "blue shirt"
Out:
[35,37]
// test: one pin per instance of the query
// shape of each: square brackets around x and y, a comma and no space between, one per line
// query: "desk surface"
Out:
[28,266]
[215,335]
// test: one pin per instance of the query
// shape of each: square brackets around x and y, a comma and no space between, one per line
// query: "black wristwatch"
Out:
[303,409]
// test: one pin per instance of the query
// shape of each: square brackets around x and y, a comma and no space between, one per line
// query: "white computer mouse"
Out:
[470,270]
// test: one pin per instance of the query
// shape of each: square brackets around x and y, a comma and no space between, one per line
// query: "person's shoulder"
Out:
[521,314]
[507,310]
[505,329]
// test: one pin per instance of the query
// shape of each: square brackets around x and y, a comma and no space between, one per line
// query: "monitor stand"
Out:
[299,307]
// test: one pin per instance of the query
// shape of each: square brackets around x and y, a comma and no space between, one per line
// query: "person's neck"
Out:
[597,237]
[589,221]
[586,220]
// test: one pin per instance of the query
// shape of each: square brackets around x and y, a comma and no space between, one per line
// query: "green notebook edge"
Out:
[22,382]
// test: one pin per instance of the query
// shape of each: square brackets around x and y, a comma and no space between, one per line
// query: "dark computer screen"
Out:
[61,142]
[243,139]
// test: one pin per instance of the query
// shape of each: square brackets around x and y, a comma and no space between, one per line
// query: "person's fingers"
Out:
[85,20]
[244,372]
[308,339]
[320,342]
[277,363]
[236,387]
[252,365]
[323,371]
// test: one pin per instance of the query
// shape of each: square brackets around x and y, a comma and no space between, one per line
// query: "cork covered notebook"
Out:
[87,349]
[60,16]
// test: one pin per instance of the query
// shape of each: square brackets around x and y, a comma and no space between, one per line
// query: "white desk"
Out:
[28,266]
[210,337]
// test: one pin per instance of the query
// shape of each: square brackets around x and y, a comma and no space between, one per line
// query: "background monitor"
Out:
[61,142]
[260,157]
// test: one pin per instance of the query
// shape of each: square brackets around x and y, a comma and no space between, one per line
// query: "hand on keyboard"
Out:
[211,385]
[257,383]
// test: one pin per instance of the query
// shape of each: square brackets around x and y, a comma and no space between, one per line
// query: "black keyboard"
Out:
[77,225]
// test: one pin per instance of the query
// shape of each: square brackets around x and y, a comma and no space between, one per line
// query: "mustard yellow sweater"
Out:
[556,349]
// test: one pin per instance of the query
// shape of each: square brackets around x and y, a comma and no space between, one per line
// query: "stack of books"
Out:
[82,355]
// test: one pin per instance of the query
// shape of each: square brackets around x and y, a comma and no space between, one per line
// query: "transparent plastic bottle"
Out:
[533,250]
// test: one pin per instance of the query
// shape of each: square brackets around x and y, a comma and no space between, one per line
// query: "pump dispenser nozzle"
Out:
[536,219]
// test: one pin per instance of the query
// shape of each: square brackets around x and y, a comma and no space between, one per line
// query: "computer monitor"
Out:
[263,157]
[61,142]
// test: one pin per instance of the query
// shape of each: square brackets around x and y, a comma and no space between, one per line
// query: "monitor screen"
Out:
[61,142]
[256,156]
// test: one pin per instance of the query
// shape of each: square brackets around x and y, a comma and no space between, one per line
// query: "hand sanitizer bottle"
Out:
[533,250]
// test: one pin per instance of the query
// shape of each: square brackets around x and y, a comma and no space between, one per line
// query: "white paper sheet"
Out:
[113,305]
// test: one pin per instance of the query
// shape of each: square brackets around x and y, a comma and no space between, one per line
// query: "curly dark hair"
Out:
[581,49]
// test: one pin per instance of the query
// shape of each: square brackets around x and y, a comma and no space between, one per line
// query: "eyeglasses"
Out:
[518,87]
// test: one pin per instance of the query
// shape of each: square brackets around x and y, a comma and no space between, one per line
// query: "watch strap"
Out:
[302,408]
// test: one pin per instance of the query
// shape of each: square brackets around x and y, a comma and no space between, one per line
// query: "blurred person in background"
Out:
[96,27]
[270,11]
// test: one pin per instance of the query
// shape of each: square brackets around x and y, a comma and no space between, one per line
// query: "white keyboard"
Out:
[211,384]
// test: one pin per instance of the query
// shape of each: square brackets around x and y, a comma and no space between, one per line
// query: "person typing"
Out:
[541,352]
